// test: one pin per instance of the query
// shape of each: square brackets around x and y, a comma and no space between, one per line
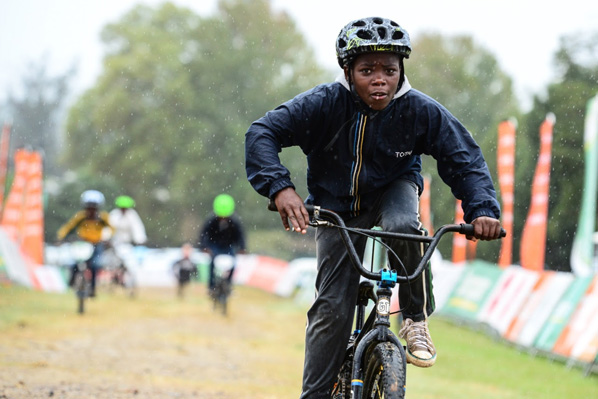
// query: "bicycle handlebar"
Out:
[334,220]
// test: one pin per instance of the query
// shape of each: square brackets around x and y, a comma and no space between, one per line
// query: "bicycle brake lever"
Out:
[320,223]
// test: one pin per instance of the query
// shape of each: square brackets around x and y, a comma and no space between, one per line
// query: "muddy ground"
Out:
[152,346]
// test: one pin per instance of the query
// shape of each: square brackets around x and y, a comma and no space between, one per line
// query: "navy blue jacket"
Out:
[352,156]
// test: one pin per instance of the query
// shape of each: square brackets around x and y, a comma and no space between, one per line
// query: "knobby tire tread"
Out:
[384,376]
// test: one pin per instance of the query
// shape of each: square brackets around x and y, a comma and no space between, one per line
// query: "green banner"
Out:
[470,293]
[582,253]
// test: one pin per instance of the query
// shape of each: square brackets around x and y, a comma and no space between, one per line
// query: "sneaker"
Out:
[420,349]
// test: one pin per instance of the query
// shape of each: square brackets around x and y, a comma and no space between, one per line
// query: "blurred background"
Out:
[152,99]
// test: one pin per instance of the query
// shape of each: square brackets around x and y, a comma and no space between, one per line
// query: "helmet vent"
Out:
[382,33]
[342,43]
[359,23]
[378,21]
[364,34]
[397,35]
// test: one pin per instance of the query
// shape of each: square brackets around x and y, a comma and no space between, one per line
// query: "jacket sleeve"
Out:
[290,124]
[461,164]
[70,226]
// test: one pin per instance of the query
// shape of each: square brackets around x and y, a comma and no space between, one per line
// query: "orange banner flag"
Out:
[33,233]
[424,207]
[506,179]
[533,240]
[22,218]
[459,240]
[463,249]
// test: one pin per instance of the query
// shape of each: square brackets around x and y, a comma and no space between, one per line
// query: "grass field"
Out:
[261,344]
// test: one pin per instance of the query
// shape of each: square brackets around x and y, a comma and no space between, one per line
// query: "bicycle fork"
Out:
[380,332]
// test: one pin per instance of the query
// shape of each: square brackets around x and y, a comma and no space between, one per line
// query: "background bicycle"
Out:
[118,270]
[222,289]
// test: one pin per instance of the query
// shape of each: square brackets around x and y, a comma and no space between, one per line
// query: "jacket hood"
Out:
[404,89]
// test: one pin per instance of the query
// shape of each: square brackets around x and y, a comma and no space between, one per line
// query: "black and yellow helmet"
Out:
[370,35]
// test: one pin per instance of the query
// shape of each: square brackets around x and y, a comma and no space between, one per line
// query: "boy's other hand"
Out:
[292,211]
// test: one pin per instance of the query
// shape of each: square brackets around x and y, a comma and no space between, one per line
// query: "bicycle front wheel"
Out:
[80,291]
[384,376]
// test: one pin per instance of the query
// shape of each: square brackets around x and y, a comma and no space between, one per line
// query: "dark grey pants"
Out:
[330,318]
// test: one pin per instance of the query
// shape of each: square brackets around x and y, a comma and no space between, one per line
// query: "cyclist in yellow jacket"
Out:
[90,225]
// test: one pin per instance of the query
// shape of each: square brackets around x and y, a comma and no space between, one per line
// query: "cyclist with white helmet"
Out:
[222,234]
[363,136]
[90,225]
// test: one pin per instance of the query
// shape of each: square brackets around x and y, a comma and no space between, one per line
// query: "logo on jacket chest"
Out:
[402,154]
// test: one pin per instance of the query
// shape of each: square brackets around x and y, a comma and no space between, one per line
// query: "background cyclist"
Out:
[363,135]
[128,226]
[90,224]
[222,234]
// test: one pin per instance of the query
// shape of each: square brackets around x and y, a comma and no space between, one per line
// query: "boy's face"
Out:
[376,78]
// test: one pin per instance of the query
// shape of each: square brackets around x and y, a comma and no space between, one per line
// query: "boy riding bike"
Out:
[89,224]
[363,136]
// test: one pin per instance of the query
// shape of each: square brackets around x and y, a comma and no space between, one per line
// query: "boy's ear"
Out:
[346,70]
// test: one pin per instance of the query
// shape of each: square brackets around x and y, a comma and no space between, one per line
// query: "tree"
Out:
[36,112]
[576,61]
[167,116]
[468,81]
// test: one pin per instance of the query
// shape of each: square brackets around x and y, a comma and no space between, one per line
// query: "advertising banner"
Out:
[560,315]
[470,293]
[538,307]
[579,339]
[507,297]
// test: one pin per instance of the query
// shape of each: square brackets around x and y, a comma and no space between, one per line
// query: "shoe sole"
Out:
[419,362]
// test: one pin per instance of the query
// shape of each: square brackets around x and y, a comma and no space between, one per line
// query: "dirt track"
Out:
[154,346]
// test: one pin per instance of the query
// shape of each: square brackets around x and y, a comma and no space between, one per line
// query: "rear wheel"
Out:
[384,376]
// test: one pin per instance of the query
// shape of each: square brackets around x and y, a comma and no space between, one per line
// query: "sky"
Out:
[522,34]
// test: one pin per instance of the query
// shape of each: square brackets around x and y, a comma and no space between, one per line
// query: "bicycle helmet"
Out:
[124,201]
[92,199]
[370,35]
[224,205]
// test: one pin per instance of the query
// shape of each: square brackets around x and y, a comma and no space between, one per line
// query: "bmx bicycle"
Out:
[120,274]
[220,293]
[79,253]
[375,363]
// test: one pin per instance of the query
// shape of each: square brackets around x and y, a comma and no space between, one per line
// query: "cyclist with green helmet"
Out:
[128,226]
[363,136]
[222,234]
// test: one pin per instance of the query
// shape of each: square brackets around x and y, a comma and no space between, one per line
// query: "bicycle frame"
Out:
[376,329]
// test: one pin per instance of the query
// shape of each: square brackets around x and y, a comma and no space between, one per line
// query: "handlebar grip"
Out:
[272,206]
[468,229]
